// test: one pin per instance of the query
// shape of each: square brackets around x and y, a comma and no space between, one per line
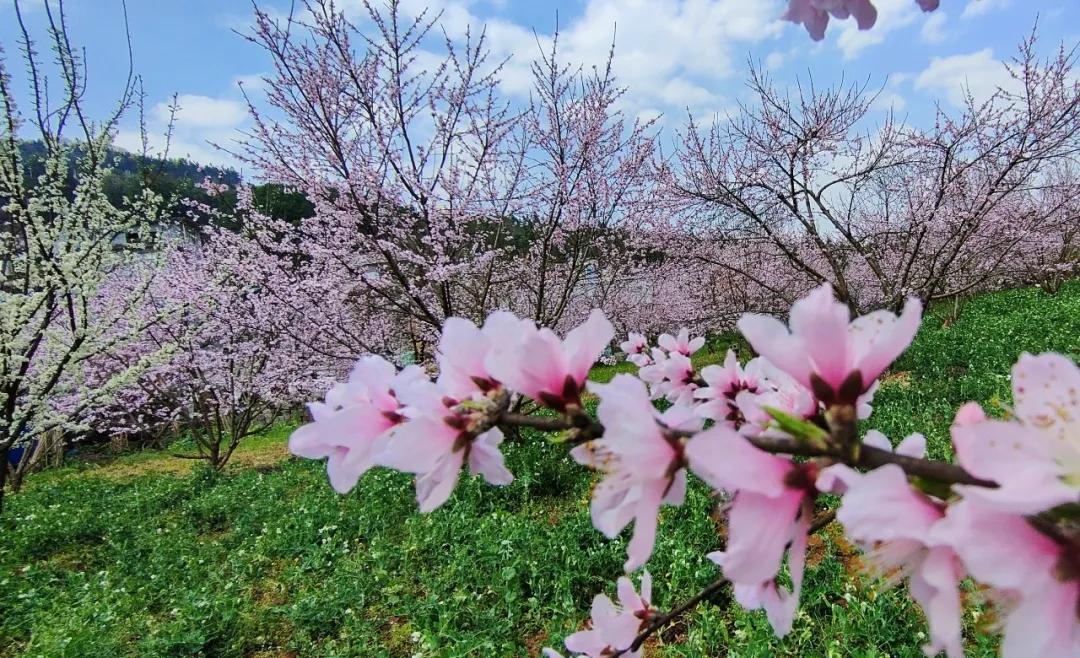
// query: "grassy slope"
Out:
[143,558]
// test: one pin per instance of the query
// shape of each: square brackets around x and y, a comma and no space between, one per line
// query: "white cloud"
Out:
[979,7]
[203,112]
[774,60]
[933,28]
[892,15]
[889,100]
[250,82]
[980,72]
[196,151]
[661,45]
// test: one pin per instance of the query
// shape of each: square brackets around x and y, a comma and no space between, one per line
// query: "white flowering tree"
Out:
[62,244]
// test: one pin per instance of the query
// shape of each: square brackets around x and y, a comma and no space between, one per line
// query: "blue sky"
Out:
[672,54]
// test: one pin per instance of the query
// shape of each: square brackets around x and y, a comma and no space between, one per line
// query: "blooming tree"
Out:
[61,242]
[772,436]
[799,189]
[223,371]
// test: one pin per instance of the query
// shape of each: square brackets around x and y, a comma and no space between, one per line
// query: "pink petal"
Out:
[969,414]
[1044,624]
[935,586]
[864,13]
[584,344]
[667,342]
[881,506]
[877,440]
[821,323]
[676,493]
[434,487]
[726,460]
[417,445]
[1046,392]
[771,339]
[1014,456]
[998,549]
[542,366]
[462,349]
[646,588]
[913,445]
[344,468]
[891,342]
[781,609]
[759,529]
[645,522]
[486,459]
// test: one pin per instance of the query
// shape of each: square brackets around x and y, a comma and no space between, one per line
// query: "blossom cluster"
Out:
[815,14]
[773,435]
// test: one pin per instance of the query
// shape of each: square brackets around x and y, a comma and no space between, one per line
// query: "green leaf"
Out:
[803,430]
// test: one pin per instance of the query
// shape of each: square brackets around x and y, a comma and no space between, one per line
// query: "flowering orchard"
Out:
[773,437]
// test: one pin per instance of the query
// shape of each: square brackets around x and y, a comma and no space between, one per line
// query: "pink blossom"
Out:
[777,390]
[635,345]
[724,383]
[880,510]
[550,370]
[672,378]
[769,512]
[836,358]
[814,14]
[1036,576]
[1035,458]
[642,464]
[463,350]
[614,627]
[353,421]
[637,349]
[436,440]
[681,343]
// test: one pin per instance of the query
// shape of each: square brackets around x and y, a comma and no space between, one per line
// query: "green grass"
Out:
[134,558]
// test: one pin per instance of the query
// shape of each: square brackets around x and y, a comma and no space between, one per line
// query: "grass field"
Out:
[146,556]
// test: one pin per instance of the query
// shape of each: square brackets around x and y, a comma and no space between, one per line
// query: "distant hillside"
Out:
[177,179]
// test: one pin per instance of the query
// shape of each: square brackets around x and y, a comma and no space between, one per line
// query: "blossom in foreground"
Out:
[814,14]
[614,627]
[770,512]
[1037,578]
[1035,458]
[463,350]
[353,421]
[835,357]
[641,462]
[884,514]
[435,441]
[547,369]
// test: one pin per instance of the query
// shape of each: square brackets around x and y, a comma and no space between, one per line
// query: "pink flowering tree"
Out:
[795,190]
[217,367]
[434,196]
[772,437]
